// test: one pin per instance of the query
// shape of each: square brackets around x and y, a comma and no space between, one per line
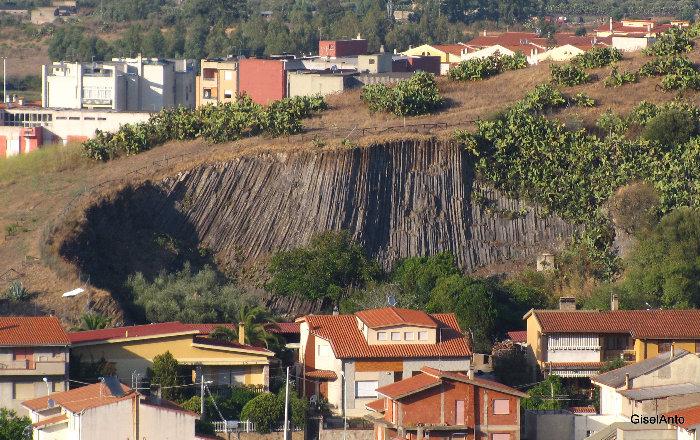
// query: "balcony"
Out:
[32,368]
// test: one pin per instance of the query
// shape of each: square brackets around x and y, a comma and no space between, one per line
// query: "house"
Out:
[435,404]
[632,35]
[345,358]
[264,80]
[449,54]
[577,343]
[651,387]
[132,349]
[124,84]
[108,409]
[217,82]
[686,421]
[518,336]
[342,48]
[430,64]
[323,83]
[33,359]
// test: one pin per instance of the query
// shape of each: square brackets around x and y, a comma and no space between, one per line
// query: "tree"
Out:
[664,268]
[165,372]
[196,39]
[635,207]
[176,41]
[222,333]
[130,44]
[548,394]
[154,44]
[416,277]
[327,269]
[93,321]
[612,364]
[13,427]
[90,371]
[512,366]
[263,411]
[672,126]
[218,43]
[254,319]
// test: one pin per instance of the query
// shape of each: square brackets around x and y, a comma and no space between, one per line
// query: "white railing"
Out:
[234,425]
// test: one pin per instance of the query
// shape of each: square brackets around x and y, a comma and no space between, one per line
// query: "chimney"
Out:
[241,333]
[673,349]
[627,381]
[484,32]
[381,49]
[470,373]
[126,333]
[336,312]
[615,302]
[611,24]
[567,303]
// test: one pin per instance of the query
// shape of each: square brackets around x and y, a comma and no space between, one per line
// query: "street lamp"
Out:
[48,387]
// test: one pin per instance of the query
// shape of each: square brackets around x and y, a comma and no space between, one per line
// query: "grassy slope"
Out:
[35,189]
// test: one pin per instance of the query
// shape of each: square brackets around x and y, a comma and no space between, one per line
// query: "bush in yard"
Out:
[665,65]
[617,78]
[263,410]
[17,292]
[482,68]
[687,80]
[671,127]
[597,57]
[14,427]
[672,42]
[569,75]
[417,95]
[643,113]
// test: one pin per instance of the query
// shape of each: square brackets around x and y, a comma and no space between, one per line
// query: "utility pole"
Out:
[4,79]
[286,409]
[201,395]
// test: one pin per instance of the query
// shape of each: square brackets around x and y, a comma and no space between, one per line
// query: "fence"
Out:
[234,426]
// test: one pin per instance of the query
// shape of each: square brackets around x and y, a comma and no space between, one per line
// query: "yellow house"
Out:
[217,82]
[131,350]
[577,343]
[448,53]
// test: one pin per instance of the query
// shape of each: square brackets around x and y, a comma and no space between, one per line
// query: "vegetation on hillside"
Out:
[482,68]
[417,95]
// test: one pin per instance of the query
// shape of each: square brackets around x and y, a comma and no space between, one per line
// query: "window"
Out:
[395,336]
[366,388]
[422,336]
[381,336]
[409,336]
[501,406]
[228,75]
[24,390]
[697,346]
[501,436]
[228,94]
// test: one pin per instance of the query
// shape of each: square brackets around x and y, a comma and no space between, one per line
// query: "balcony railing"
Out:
[31,367]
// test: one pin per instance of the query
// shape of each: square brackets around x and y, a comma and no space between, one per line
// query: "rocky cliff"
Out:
[398,199]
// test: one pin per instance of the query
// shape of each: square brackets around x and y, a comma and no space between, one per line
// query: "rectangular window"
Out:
[228,94]
[409,336]
[422,336]
[395,336]
[381,336]
[366,388]
[501,406]
[228,75]
[24,390]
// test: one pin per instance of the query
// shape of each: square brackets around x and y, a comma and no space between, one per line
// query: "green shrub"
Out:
[687,80]
[617,79]
[672,42]
[643,112]
[665,65]
[417,95]
[569,75]
[582,100]
[671,127]
[635,207]
[612,123]
[597,57]
[482,68]
[17,292]
[544,97]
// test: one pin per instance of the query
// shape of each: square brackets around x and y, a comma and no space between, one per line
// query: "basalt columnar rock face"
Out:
[397,199]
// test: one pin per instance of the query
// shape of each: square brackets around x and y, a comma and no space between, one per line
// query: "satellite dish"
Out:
[391,300]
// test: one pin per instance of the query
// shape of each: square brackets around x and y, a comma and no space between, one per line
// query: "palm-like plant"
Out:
[254,318]
[93,321]
[222,333]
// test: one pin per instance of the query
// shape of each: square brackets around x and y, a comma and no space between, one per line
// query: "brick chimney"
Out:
[241,333]
[567,303]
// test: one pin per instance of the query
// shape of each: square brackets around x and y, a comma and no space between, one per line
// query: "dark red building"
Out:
[430,64]
[263,80]
[437,404]
[342,48]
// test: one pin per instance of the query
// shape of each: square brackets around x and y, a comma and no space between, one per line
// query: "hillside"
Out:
[52,189]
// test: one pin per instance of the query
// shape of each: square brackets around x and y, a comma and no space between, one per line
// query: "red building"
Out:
[429,63]
[263,80]
[437,404]
[342,48]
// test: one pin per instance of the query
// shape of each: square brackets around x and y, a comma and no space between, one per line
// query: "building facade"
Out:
[131,350]
[124,84]
[436,404]
[345,358]
[264,80]
[217,82]
[342,48]
[33,359]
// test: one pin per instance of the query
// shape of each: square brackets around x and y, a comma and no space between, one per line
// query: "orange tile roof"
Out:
[518,336]
[454,49]
[348,343]
[50,421]
[411,385]
[642,324]
[284,328]
[132,331]
[79,399]
[322,374]
[483,383]
[377,405]
[392,316]
[32,330]
[691,416]
[583,410]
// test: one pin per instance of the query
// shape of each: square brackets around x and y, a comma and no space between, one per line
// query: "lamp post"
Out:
[48,387]
[4,79]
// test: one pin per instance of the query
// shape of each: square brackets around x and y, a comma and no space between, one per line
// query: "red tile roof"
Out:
[691,416]
[348,343]
[483,383]
[205,329]
[377,405]
[411,385]
[583,410]
[133,331]
[79,399]
[51,421]
[454,49]
[32,330]
[284,328]
[392,316]
[622,30]
[518,336]
[322,374]
[229,344]
[643,324]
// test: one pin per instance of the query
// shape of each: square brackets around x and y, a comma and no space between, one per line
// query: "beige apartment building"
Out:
[217,82]
[123,84]
[33,359]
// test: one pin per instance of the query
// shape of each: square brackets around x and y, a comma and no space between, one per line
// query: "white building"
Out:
[124,84]
[108,410]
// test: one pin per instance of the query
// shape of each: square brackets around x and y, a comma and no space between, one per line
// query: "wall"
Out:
[375,63]
[685,369]
[630,44]
[116,418]
[372,337]
[157,423]
[263,80]
[645,349]
[486,52]
[560,53]
[309,84]
[573,348]
[341,48]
